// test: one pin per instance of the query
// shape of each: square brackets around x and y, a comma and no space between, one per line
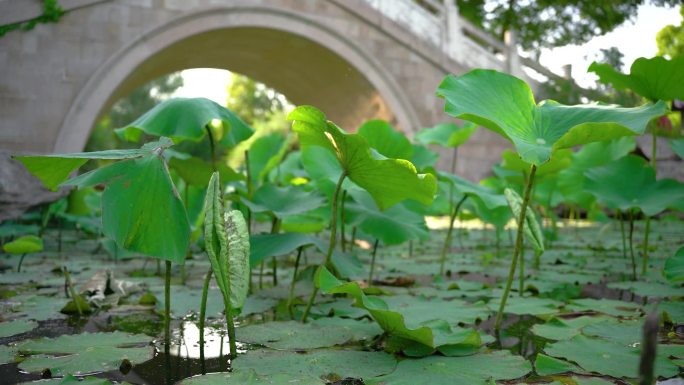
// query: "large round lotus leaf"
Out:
[656,78]
[10,328]
[479,369]
[528,305]
[574,380]
[674,267]
[649,289]
[293,335]
[249,377]
[317,363]
[386,140]
[24,245]
[606,306]
[640,190]
[7,354]
[417,310]
[545,365]
[361,330]
[606,357]
[84,353]
[505,105]
[186,119]
[39,308]
[627,333]
[564,329]
[389,181]
[72,380]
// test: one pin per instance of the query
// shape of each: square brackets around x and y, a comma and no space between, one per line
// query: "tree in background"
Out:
[552,23]
[130,107]
[253,101]
[261,107]
[670,39]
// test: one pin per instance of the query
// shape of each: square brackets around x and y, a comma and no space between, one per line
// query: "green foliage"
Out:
[265,154]
[674,267]
[420,341]
[392,226]
[670,39]
[480,369]
[188,119]
[197,172]
[531,226]
[552,24]
[24,245]
[446,134]
[141,209]
[505,105]
[227,245]
[263,246]
[253,101]
[389,181]
[84,353]
[52,12]
[629,183]
[655,79]
[283,201]
[389,142]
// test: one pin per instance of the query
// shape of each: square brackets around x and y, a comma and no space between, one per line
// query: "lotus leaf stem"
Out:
[447,240]
[372,266]
[202,317]
[331,245]
[290,300]
[644,256]
[167,305]
[518,247]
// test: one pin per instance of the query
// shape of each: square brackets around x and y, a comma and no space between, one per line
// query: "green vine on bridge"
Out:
[52,12]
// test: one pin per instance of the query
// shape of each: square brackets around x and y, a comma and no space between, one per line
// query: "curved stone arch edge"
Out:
[108,77]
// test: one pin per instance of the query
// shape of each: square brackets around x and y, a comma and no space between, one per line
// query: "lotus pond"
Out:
[338,258]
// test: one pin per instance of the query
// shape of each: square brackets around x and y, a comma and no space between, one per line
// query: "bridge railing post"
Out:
[513,62]
[453,28]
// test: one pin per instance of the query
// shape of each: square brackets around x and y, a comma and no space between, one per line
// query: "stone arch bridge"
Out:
[354,59]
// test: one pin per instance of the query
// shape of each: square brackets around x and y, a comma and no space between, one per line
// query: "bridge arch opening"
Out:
[301,58]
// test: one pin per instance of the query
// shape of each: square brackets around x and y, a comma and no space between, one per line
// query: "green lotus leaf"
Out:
[531,226]
[656,78]
[423,157]
[197,172]
[545,365]
[505,105]
[561,160]
[17,326]
[317,364]
[265,154]
[186,119]
[389,181]
[386,140]
[249,377]
[677,146]
[274,245]
[487,196]
[479,369]
[54,169]
[141,209]
[393,226]
[84,353]
[293,335]
[629,183]
[446,134]
[283,201]
[227,244]
[674,267]
[421,340]
[607,357]
[24,245]
[571,180]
